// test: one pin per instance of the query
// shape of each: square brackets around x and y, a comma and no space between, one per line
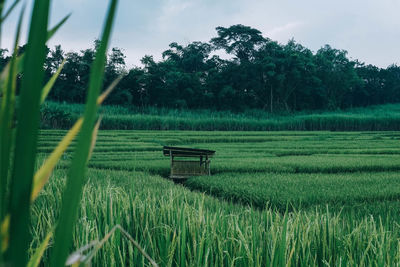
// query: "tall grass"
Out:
[182,228]
[377,118]
[302,191]
[20,184]
[26,135]
[272,199]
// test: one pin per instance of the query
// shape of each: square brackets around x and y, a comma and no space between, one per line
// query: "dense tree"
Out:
[338,76]
[371,89]
[261,74]
[391,77]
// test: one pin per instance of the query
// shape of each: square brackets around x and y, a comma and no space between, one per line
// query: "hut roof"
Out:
[186,152]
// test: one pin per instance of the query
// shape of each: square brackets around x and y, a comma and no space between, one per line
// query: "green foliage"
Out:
[55,117]
[374,118]
[289,218]
[239,40]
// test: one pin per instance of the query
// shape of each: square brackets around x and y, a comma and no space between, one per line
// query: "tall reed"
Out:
[20,184]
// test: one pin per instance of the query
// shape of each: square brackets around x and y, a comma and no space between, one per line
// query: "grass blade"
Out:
[282,244]
[94,137]
[43,174]
[26,135]
[6,120]
[73,191]
[97,245]
[50,33]
[5,225]
[77,257]
[1,8]
[34,261]
[53,30]
[51,82]
[3,78]
[21,58]
[8,12]
[110,88]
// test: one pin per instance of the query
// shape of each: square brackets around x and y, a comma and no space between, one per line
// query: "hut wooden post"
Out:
[172,162]
[208,166]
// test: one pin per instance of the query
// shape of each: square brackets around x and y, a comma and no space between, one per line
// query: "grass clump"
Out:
[376,118]
[302,191]
[177,226]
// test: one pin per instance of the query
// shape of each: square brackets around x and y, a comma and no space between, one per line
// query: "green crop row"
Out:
[300,191]
[306,153]
[380,118]
[275,198]
[177,227]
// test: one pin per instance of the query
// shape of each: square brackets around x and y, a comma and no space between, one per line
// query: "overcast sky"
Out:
[368,29]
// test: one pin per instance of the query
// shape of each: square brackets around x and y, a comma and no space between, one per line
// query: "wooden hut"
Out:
[183,164]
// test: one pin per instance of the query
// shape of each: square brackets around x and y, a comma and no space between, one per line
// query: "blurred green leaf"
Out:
[51,82]
[73,191]
[6,119]
[26,135]
[34,261]
[8,12]
[43,174]
[53,30]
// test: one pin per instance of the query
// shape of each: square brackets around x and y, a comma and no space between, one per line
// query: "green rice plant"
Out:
[161,216]
[322,207]
[24,185]
[301,191]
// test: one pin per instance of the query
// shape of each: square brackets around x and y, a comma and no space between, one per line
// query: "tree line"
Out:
[259,74]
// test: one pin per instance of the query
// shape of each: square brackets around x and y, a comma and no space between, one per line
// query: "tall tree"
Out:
[238,40]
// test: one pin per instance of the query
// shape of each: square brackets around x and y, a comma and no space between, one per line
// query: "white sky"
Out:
[368,29]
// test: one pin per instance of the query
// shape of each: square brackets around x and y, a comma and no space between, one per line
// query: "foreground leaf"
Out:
[6,119]
[105,94]
[51,82]
[26,135]
[73,191]
[37,256]
[94,137]
[5,225]
[43,174]
[8,12]
[53,30]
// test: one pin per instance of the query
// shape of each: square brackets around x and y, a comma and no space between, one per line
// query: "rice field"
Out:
[274,199]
